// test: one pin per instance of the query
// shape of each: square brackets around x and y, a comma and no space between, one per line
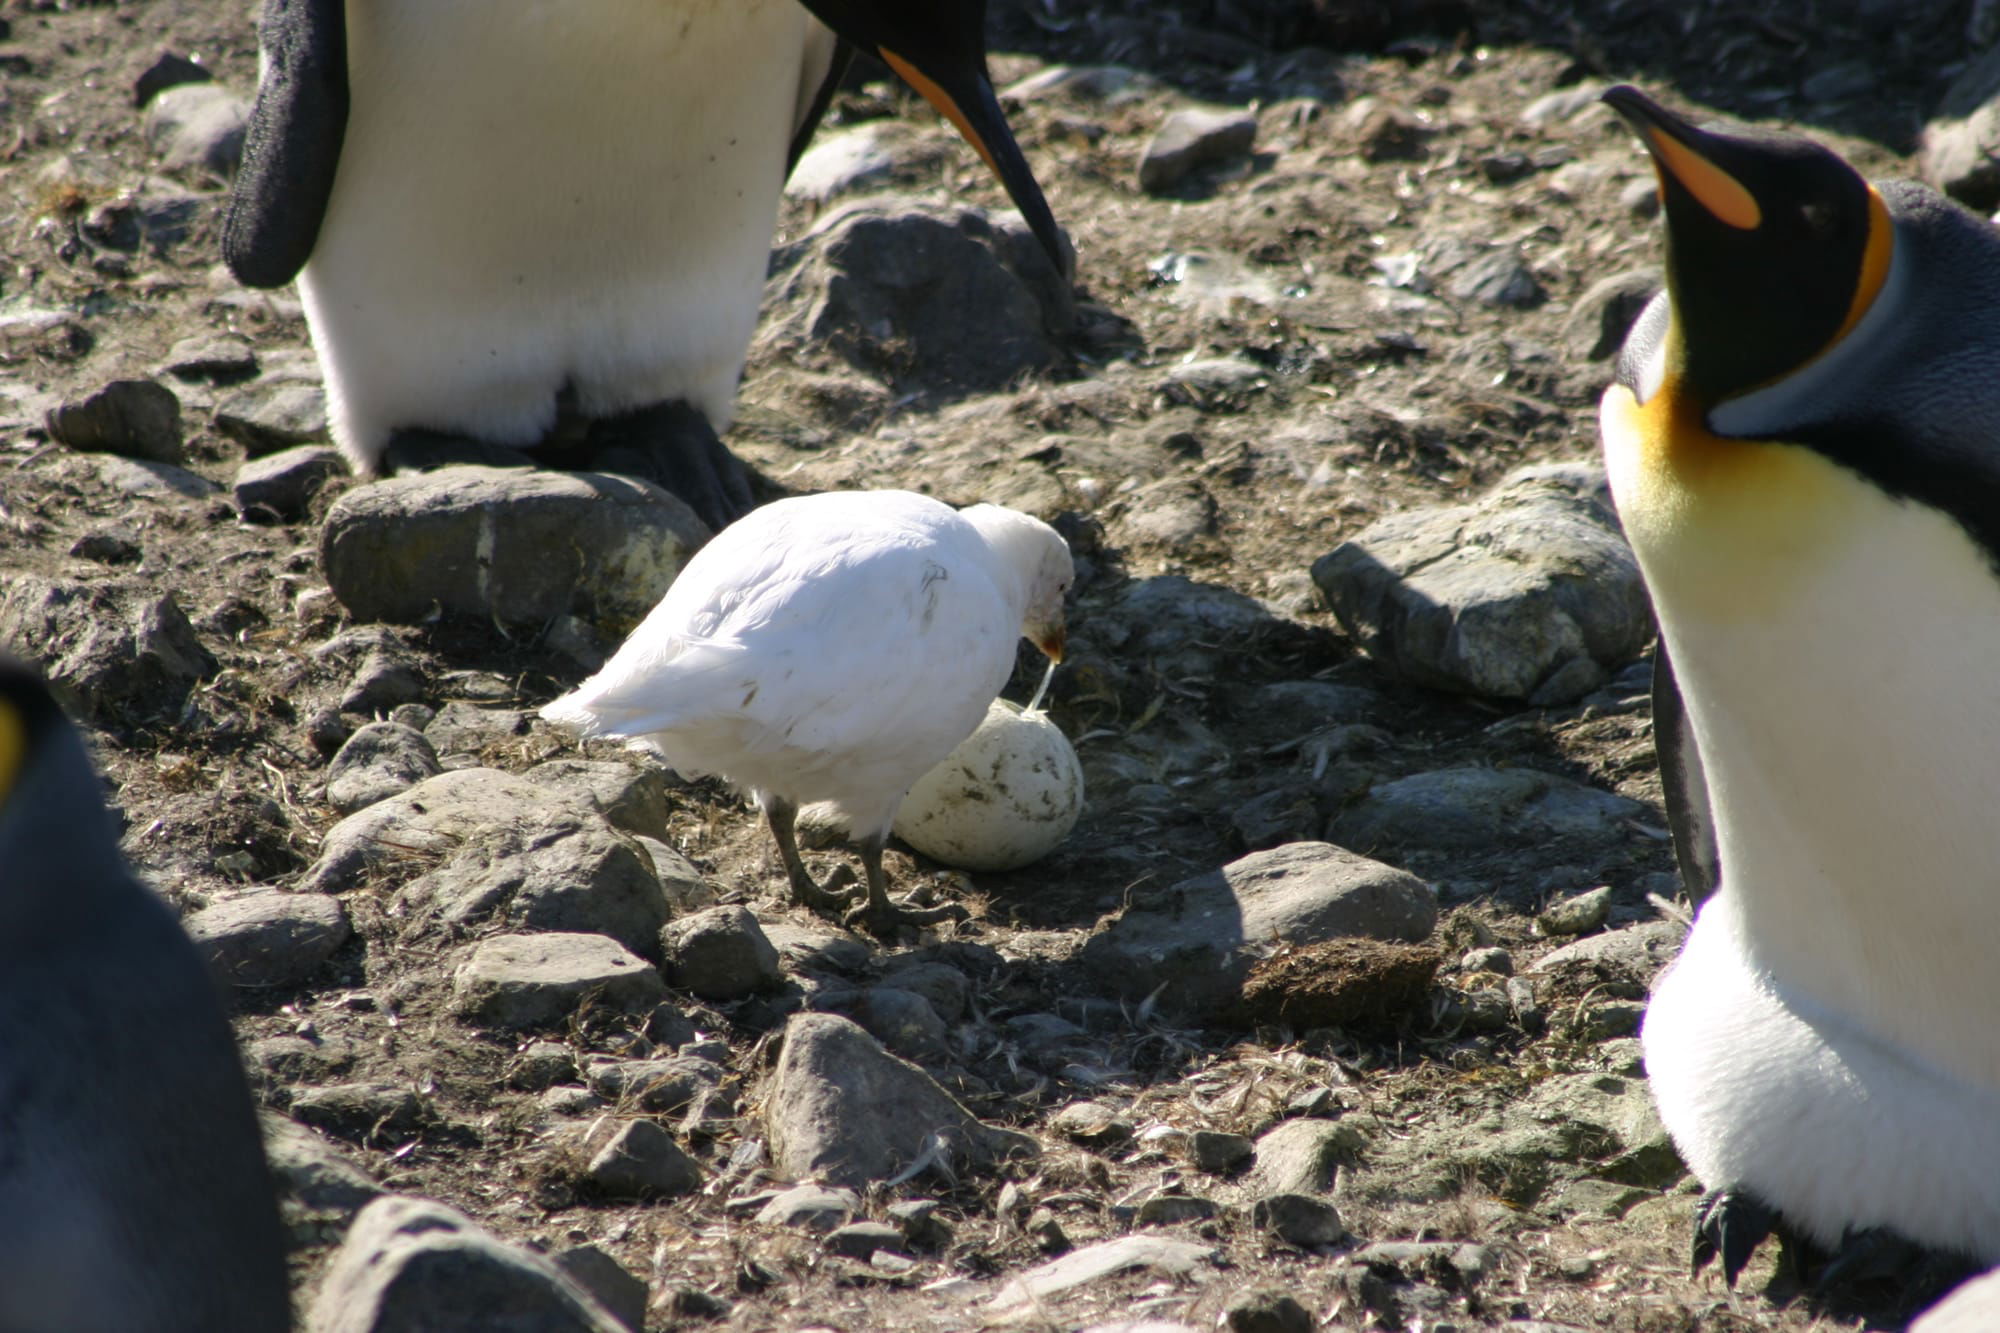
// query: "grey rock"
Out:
[107,548]
[110,650]
[1598,321]
[1500,277]
[1093,1264]
[1499,597]
[1267,1310]
[466,728]
[853,161]
[1300,1156]
[1092,83]
[685,887]
[414,1264]
[139,476]
[541,1065]
[1640,198]
[197,126]
[377,762]
[279,487]
[860,1240]
[1192,138]
[131,418]
[478,846]
[1218,1153]
[1191,628]
[311,1174]
[1562,105]
[891,286]
[1577,913]
[571,1101]
[1091,1123]
[1599,1198]
[815,1207]
[388,676]
[632,798]
[920,1224]
[511,546]
[817,948]
[265,418]
[1636,953]
[946,988]
[1214,382]
[1490,959]
[1469,808]
[616,1289]
[1960,148]
[903,1021]
[1299,1219]
[1973,1307]
[1200,938]
[362,1112]
[1172,1210]
[640,1160]
[662,1087]
[269,938]
[295,1059]
[215,357]
[518,981]
[843,1110]
[719,954]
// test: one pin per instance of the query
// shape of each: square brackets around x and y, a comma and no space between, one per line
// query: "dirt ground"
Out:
[1385,130]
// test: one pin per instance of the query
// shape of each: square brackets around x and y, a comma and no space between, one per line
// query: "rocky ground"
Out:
[1326,1010]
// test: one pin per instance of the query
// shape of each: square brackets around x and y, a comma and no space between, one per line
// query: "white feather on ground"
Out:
[833,648]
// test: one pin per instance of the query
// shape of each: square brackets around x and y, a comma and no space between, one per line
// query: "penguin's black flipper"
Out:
[293,145]
[1684,784]
[1730,1226]
[811,114]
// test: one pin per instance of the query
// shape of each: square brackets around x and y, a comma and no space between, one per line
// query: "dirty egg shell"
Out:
[1008,795]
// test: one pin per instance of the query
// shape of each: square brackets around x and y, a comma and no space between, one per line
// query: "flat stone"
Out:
[1636,953]
[143,476]
[311,1173]
[1091,1123]
[1500,277]
[269,938]
[265,418]
[947,989]
[111,651]
[1464,809]
[414,1264]
[860,1240]
[817,948]
[632,798]
[1170,1210]
[615,1288]
[903,1021]
[476,846]
[1218,1153]
[512,546]
[107,548]
[815,1207]
[1299,1157]
[131,418]
[719,954]
[541,1065]
[687,890]
[1267,1310]
[661,1087]
[279,487]
[1094,1263]
[361,1112]
[1193,138]
[214,357]
[1204,935]
[853,161]
[1577,913]
[294,1059]
[1299,1219]
[640,1160]
[466,728]
[518,981]
[378,761]
[843,1110]
[197,126]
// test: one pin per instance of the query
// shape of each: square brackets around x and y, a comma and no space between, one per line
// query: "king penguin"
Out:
[544,222]
[134,1196]
[1803,440]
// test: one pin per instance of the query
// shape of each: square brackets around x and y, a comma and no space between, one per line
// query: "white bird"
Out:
[833,648]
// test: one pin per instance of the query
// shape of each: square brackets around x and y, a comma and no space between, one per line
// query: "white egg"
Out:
[1008,795]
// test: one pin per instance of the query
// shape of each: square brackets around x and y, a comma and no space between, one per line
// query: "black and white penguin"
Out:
[1804,444]
[134,1196]
[500,215]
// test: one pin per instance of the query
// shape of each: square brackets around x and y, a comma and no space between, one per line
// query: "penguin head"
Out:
[1775,247]
[939,48]
[54,828]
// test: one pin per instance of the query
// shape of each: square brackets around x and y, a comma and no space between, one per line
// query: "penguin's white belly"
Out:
[544,193]
[1766,1091]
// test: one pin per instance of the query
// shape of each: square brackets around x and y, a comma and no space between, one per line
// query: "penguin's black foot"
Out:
[884,919]
[415,450]
[1730,1226]
[1882,1271]
[673,444]
[832,897]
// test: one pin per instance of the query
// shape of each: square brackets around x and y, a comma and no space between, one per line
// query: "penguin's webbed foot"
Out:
[884,919]
[1730,1226]
[673,444]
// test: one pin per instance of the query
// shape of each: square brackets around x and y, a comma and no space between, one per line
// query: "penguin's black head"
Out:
[939,47]
[1775,247]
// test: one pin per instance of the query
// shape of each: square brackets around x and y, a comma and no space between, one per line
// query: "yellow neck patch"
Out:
[13,747]
[1874,264]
